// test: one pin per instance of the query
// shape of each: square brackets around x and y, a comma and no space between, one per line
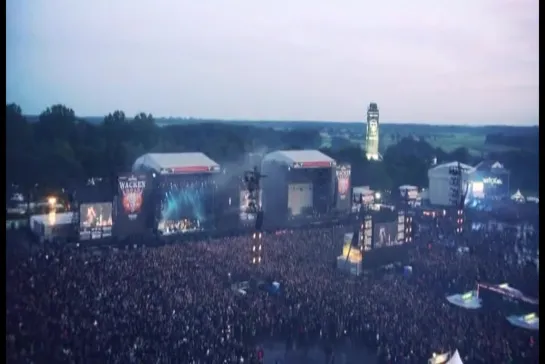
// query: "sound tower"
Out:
[458,193]
[251,181]
[404,220]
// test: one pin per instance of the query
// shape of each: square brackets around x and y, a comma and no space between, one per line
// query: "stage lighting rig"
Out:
[257,247]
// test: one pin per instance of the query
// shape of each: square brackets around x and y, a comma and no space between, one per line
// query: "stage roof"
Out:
[304,158]
[175,163]
[445,168]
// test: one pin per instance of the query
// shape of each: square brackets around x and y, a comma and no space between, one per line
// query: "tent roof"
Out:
[408,187]
[517,195]
[177,162]
[455,358]
[63,218]
[453,164]
[308,158]
[445,168]
[490,165]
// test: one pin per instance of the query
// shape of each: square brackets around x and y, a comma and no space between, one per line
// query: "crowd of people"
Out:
[175,303]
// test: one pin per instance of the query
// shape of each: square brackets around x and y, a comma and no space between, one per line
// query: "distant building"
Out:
[372,136]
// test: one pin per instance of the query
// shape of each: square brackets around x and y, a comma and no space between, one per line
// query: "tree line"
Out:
[60,149]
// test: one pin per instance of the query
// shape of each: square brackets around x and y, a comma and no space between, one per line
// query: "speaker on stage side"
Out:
[259,220]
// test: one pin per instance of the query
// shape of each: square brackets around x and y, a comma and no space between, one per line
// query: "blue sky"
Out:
[444,61]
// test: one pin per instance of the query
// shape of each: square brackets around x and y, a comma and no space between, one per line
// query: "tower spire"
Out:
[372,134]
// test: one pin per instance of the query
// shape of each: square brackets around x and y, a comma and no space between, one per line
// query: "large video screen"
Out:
[344,198]
[132,200]
[95,220]
[385,234]
[185,205]
[244,202]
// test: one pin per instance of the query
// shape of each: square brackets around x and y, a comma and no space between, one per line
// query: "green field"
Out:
[475,143]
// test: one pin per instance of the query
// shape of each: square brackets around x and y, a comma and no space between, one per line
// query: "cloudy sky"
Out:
[438,61]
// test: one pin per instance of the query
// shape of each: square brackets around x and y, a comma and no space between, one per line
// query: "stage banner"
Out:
[131,204]
[344,198]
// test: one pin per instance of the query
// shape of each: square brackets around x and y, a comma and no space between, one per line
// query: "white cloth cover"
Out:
[455,358]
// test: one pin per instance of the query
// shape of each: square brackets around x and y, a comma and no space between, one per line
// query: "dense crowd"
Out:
[174,303]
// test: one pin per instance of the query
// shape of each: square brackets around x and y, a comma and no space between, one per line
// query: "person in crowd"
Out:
[175,304]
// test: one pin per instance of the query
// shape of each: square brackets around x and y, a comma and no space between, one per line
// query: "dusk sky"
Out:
[435,61]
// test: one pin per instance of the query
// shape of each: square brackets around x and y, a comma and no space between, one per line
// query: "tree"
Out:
[19,147]
[461,155]
[56,122]
[61,148]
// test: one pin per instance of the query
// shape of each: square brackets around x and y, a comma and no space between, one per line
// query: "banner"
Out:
[131,202]
[344,198]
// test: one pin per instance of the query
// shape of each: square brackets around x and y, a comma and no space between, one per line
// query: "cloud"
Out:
[318,60]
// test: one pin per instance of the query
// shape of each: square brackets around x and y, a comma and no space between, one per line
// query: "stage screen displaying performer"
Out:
[245,200]
[186,205]
[344,198]
[385,234]
[132,199]
[401,227]
[95,220]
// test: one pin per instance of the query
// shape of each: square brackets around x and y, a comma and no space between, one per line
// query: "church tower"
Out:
[371,138]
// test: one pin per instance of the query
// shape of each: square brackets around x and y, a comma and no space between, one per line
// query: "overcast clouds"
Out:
[463,61]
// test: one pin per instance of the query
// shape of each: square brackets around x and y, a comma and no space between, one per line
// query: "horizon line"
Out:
[233,120]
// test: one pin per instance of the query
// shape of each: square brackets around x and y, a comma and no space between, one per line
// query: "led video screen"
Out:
[385,234]
[132,201]
[184,206]
[95,220]
[245,202]
[342,174]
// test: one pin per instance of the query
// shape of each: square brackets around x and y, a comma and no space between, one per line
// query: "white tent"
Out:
[301,158]
[517,196]
[167,163]
[455,358]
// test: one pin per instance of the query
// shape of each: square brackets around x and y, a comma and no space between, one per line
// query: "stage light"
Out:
[52,201]
[377,196]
